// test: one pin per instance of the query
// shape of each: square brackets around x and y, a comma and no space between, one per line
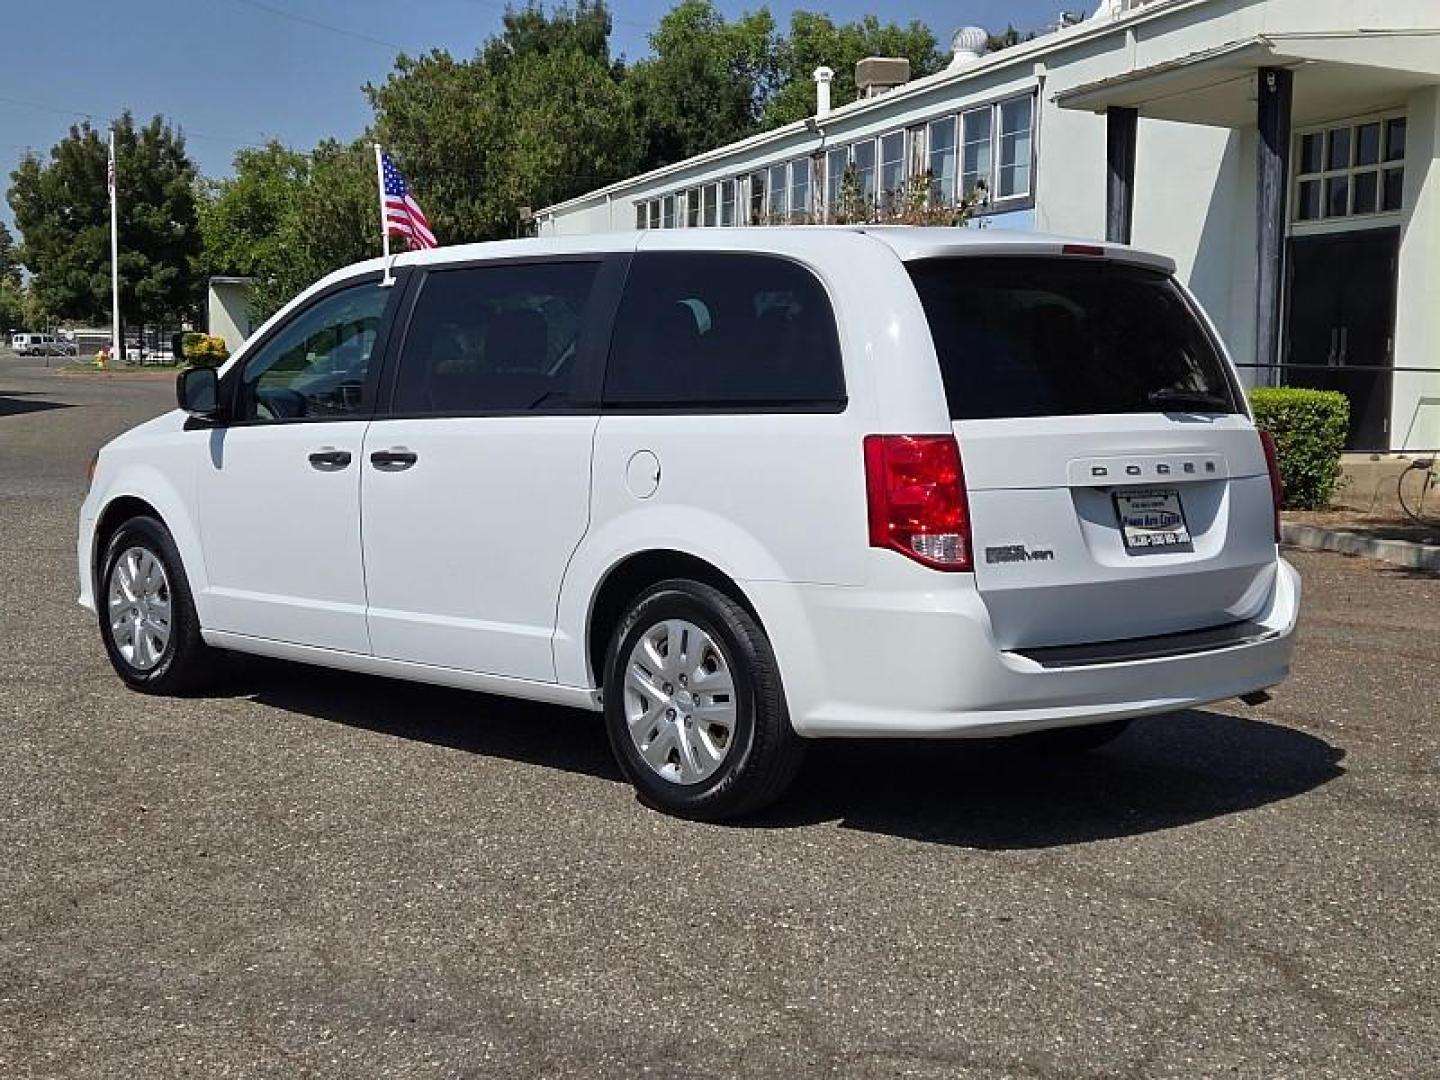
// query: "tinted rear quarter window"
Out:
[1024,336]
[717,330]
[497,339]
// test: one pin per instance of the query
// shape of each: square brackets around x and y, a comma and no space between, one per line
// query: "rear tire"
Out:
[694,707]
[147,614]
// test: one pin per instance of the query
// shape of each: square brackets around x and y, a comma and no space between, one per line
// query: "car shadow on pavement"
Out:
[537,734]
[1001,794]
[1008,794]
[14,403]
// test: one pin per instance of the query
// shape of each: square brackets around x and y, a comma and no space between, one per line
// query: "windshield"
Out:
[1056,336]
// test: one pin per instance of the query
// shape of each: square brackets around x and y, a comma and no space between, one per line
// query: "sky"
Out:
[232,73]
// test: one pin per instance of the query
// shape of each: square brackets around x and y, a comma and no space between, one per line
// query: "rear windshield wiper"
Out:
[1190,401]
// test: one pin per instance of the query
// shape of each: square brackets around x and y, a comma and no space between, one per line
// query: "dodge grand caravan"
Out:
[734,488]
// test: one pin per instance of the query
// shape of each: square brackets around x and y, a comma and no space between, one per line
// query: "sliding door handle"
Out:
[328,459]
[396,459]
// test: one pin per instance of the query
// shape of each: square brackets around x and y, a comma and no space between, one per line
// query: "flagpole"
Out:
[116,352]
[389,278]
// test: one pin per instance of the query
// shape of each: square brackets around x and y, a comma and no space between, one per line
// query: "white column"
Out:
[1415,405]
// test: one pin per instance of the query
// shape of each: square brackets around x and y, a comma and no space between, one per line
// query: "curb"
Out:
[1398,552]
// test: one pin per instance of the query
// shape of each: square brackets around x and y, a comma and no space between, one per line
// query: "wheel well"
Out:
[112,517]
[636,574]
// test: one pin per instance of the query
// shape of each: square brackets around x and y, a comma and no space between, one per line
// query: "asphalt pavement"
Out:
[321,874]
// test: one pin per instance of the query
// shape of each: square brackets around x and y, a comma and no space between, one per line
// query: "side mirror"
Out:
[197,390]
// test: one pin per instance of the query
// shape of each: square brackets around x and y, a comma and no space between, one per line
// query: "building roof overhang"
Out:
[1336,74]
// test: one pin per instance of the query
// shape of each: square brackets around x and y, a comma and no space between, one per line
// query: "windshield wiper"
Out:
[1190,401]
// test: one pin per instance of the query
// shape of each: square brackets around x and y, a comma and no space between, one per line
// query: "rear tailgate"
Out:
[1117,489]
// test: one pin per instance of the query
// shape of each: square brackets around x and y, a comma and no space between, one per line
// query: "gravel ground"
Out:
[320,874]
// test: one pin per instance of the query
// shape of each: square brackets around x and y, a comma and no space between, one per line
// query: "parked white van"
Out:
[737,488]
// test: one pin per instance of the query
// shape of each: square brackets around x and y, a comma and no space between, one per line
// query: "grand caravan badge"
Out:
[1018,553]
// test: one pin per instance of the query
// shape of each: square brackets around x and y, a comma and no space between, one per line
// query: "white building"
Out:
[227,307]
[1283,151]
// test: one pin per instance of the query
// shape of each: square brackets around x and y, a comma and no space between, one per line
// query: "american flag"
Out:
[403,216]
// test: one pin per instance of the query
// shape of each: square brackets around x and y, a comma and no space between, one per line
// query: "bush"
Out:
[1309,427]
[204,350]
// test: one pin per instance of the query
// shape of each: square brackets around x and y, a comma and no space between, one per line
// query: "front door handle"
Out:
[396,459]
[328,459]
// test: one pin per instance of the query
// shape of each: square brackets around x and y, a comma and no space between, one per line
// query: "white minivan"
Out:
[736,488]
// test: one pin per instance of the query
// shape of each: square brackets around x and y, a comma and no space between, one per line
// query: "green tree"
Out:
[12,306]
[815,40]
[335,221]
[62,210]
[1010,38]
[9,258]
[244,219]
[707,83]
[287,219]
[536,116]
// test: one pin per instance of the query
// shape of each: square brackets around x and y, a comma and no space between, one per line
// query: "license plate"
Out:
[1152,522]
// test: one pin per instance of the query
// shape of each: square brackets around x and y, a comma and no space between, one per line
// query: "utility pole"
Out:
[117,350]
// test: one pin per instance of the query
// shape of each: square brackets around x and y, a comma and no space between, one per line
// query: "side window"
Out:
[700,330]
[495,339]
[315,368]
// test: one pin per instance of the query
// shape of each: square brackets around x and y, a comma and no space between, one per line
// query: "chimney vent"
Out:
[823,75]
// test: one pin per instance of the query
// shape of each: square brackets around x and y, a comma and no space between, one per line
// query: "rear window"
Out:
[1067,337]
[703,330]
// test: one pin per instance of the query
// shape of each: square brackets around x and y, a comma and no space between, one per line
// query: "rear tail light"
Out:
[1277,484]
[916,493]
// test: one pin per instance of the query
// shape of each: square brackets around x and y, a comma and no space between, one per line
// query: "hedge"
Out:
[1309,427]
[203,350]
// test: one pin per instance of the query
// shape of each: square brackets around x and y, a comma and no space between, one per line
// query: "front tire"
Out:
[147,614]
[694,707]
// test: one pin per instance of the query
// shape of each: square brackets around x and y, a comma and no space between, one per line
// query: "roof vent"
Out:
[968,45]
[876,75]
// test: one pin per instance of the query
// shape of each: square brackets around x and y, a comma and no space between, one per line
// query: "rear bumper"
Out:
[903,659]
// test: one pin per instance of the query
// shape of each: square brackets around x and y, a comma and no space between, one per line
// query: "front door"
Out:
[1342,311]
[475,484]
[279,488]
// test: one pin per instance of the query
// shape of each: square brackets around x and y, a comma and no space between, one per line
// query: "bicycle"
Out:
[1427,469]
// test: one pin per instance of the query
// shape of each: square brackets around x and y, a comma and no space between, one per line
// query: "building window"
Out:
[779,190]
[1352,170]
[800,190]
[642,215]
[836,162]
[710,193]
[892,167]
[667,212]
[915,145]
[654,214]
[692,212]
[1016,118]
[976,159]
[863,158]
[942,161]
[727,202]
[757,198]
